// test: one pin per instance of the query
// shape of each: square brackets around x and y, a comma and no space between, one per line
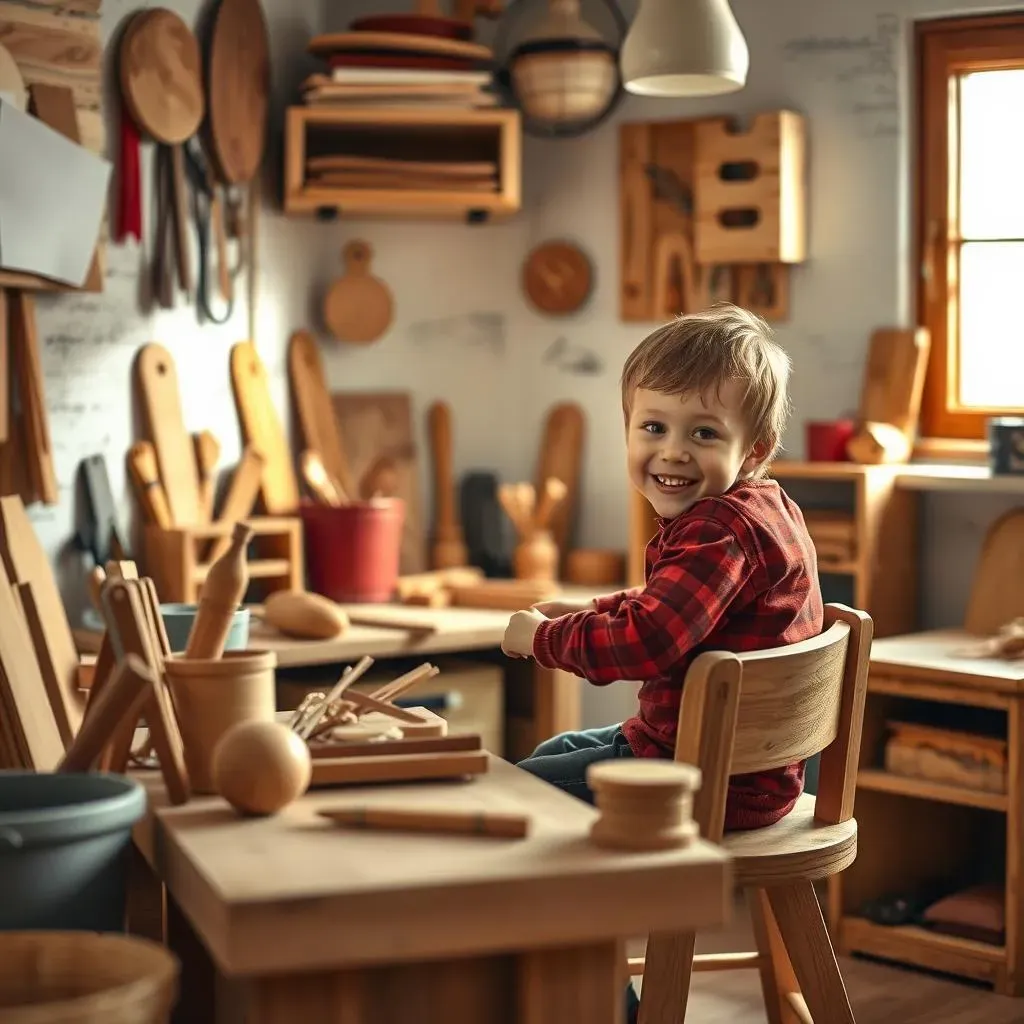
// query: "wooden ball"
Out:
[261,767]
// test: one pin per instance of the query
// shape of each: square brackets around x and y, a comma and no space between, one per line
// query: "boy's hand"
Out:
[563,606]
[518,640]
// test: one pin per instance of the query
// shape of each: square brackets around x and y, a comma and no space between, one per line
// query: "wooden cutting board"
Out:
[261,427]
[561,456]
[894,378]
[376,427]
[315,412]
[157,379]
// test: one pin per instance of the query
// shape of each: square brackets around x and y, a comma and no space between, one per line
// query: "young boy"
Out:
[731,567]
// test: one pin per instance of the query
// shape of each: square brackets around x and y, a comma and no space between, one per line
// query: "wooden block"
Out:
[397,768]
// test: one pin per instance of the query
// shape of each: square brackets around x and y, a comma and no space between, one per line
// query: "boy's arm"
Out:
[612,602]
[700,572]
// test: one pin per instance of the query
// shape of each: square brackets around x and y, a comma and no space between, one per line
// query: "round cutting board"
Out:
[161,75]
[358,306]
[239,87]
[557,278]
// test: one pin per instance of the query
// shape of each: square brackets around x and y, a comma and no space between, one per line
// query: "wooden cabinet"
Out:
[877,570]
[491,137]
[919,838]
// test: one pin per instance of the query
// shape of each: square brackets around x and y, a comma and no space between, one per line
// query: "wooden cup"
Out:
[211,695]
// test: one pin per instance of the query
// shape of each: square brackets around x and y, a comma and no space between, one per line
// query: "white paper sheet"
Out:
[52,197]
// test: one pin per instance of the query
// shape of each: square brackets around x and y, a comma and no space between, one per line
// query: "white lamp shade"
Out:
[684,48]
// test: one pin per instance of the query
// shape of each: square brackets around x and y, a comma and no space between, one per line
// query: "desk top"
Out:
[295,892]
[935,656]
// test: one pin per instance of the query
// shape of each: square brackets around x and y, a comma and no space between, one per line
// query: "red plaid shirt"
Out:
[735,572]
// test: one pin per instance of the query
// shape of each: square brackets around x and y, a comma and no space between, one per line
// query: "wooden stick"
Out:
[365,704]
[389,691]
[348,677]
[400,819]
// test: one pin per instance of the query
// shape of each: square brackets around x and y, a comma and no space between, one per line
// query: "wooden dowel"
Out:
[389,691]
[397,819]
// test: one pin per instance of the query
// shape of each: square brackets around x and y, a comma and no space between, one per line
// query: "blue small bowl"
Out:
[178,619]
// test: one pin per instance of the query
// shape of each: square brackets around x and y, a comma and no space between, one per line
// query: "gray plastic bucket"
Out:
[63,846]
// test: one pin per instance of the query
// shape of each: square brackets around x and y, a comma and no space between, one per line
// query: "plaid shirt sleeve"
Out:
[611,602]
[701,568]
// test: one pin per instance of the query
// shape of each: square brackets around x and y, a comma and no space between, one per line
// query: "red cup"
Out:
[352,551]
[827,440]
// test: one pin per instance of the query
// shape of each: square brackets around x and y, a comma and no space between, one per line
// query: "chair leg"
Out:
[666,988]
[795,907]
[777,977]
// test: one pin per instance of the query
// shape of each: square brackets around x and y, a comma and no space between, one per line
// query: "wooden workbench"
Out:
[313,923]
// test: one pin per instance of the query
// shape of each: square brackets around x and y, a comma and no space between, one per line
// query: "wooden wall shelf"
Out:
[411,134]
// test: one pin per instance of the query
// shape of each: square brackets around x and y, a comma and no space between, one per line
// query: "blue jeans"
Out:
[563,761]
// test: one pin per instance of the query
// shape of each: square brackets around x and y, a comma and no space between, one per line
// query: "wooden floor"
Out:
[880,994]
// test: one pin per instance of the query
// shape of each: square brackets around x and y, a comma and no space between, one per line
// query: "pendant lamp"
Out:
[684,48]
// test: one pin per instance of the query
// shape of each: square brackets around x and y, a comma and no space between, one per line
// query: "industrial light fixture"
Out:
[684,48]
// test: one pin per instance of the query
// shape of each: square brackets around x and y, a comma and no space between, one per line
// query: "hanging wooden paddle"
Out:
[358,306]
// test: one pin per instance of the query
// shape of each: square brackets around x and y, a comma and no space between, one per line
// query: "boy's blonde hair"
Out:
[701,352]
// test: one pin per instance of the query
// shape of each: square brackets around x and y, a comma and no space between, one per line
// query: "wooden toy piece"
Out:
[305,722]
[644,804]
[207,449]
[495,824]
[325,488]
[120,701]
[449,547]
[878,443]
[223,589]
[261,767]
[358,307]
[536,555]
[304,615]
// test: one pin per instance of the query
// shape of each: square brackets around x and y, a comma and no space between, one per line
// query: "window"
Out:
[970,224]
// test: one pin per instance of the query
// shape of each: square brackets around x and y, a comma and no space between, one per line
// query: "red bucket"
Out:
[352,551]
[827,440]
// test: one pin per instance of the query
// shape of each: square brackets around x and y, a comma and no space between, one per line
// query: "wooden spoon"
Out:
[162,85]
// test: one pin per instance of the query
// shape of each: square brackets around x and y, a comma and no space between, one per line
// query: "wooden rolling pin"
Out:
[399,819]
[223,590]
[449,548]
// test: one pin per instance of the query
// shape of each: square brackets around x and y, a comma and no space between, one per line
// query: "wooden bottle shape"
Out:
[223,589]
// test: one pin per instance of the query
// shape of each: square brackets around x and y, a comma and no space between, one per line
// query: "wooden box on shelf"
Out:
[491,136]
[925,834]
[178,559]
[872,546]
[750,195]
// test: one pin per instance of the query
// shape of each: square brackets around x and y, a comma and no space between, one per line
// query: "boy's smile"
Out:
[681,448]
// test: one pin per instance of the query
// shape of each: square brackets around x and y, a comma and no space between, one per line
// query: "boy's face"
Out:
[681,448]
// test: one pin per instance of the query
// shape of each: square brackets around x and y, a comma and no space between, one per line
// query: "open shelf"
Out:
[923,789]
[437,135]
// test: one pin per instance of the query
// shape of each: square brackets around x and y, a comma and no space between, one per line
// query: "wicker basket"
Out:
[85,978]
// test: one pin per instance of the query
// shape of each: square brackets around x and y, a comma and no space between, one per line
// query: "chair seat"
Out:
[797,847]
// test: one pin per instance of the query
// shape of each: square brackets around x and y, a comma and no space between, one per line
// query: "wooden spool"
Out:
[645,804]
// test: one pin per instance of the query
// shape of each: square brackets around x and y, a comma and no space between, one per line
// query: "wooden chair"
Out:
[749,713]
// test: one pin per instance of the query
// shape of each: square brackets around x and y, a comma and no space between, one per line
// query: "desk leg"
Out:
[1011,981]
[556,702]
[570,986]
[197,984]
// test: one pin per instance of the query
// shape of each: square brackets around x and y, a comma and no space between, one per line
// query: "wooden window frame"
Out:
[944,49]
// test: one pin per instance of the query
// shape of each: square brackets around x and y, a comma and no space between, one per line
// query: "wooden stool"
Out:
[751,713]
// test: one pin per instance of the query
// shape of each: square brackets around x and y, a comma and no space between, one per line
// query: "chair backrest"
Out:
[751,712]
[997,592]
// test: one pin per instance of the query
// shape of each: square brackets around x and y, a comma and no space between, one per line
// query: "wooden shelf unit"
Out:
[883,573]
[915,833]
[491,134]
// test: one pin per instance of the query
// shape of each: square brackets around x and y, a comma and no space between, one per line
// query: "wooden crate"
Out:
[174,558]
[750,195]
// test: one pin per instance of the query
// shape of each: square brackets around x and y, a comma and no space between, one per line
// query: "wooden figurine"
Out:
[223,590]
[536,554]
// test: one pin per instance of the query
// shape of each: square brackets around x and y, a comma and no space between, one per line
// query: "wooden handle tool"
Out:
[243,491]
[326,489]
[207,449]
[449,547]
[554,491]
[223,590]
[144,471]
[494,824]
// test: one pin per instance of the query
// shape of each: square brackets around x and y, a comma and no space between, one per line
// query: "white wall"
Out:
[462,330]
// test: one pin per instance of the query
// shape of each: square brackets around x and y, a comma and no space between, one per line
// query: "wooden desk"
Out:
[322,925]
[916,831]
